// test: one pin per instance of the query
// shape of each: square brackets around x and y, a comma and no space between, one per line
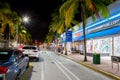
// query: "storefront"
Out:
[103,36]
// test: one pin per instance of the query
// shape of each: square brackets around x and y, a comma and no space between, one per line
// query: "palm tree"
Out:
[85,8]
[6,24]
[20,34]
[5,13]
[16,23]
[24,35]
[58,25]
[50,37]
[9,24]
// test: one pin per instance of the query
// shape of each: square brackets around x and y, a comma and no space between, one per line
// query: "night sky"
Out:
[39,12]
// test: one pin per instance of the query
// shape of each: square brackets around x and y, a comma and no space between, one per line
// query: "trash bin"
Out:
[96,58]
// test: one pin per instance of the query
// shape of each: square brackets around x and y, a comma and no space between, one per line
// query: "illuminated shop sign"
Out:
[114,17]
[69,36]
[78,34]
[108,23]
[104,26]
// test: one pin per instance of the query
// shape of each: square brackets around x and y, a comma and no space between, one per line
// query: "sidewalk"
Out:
[104,67]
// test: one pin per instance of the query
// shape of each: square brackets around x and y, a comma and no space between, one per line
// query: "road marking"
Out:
[62,70]
[60,67]
[65,68]
[42,70]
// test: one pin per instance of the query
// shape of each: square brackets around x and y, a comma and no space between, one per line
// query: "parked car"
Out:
[32,51]
[13,64]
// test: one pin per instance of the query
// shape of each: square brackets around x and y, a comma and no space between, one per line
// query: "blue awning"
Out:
[111,31]
[78,38]
[107,32]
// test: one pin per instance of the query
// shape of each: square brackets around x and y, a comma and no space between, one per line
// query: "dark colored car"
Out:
[13,64]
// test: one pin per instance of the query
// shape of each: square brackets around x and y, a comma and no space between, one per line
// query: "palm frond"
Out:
[64,8]
[70,13]
[102,8]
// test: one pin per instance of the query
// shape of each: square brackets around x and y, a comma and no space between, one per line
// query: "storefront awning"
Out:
[111,31]
[107,32]
[77,38]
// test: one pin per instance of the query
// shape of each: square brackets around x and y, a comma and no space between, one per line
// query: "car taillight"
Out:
[35,51]
[3,69]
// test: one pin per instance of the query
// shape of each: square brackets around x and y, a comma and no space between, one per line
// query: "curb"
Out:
[27,72]
[93,68]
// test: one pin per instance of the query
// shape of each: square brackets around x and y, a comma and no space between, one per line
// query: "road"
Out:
[55,67]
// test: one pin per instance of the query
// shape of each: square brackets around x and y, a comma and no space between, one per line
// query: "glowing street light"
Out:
[26,19]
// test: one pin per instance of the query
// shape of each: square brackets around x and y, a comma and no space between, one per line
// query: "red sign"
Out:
[78,34]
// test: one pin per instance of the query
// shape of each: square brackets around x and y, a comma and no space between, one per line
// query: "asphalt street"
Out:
[52,66]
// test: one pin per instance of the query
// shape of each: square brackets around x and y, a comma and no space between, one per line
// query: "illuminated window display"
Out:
[89,46]
[106,45]
[100,46]
[96,46]
[117,46]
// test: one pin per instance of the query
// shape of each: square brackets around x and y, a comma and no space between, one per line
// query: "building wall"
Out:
[108,44]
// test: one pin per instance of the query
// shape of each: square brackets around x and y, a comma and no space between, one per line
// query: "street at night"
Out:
[59,40]
[52,66]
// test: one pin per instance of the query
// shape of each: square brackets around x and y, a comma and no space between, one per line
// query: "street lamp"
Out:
[26,19]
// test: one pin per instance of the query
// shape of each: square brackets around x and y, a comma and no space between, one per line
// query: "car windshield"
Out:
[4,55]
[29,48]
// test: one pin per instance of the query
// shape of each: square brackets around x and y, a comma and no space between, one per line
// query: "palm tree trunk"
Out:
[65,42]
[65,49]
[84,34]
[85,56]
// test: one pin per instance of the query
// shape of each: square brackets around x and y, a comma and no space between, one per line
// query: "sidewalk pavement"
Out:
[104,67]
